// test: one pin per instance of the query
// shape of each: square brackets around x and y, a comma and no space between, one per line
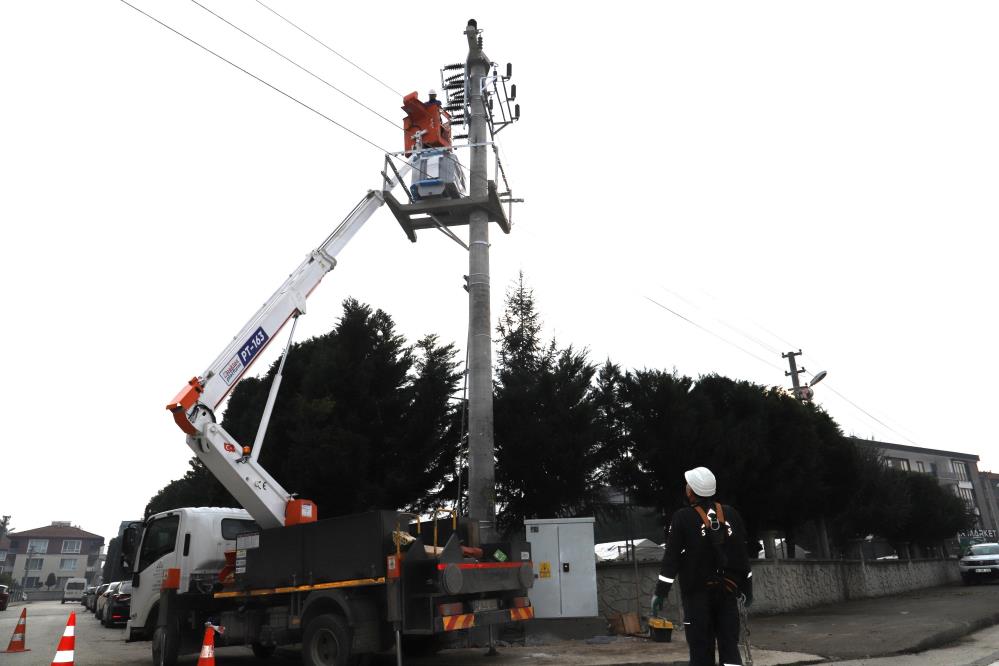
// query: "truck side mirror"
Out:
[129,543]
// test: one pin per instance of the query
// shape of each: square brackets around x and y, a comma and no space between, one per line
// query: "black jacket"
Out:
[691,554]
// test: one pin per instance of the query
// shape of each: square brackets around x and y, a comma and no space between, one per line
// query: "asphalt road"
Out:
[978,649]
[95,644]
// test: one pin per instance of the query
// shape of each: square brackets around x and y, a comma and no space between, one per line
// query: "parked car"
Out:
[979,562]
[102,601]
[4,597]
[73,590]
[88,594]
[97,595]
[118,605]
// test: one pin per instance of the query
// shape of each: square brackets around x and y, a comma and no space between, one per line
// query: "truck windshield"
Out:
[159,539]
[75,586]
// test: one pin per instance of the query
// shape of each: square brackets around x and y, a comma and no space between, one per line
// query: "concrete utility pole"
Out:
[481,465]
[794,372]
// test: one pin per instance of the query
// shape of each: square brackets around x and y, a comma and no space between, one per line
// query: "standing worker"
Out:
[706,546]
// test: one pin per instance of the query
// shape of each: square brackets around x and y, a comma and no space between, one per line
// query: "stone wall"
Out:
[781,586]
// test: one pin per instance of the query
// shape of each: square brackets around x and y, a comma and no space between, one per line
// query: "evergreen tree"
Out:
[363,421]
[547,439]
[196,488]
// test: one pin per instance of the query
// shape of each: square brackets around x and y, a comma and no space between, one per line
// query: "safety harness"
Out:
[716,529]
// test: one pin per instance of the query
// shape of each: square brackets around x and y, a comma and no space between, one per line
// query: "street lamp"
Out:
[806,393]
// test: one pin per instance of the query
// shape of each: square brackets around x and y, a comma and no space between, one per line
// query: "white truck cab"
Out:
[193,540]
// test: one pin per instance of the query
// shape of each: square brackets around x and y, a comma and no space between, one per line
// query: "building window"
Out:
[933,469]
[898,463]
[68,564]
[71,545]
[960,470]
[30,582]
[38,545]
[967,494]
[35,564]
[3,555]
[919,466]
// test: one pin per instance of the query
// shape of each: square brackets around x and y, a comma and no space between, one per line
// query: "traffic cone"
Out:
[207,657]
[17,640]
[64,653]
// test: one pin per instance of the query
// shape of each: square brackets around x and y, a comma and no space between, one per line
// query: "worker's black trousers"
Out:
[709,616]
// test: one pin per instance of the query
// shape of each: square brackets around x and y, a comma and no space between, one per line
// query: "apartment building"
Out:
[60,549]
[953,470]
[5,567]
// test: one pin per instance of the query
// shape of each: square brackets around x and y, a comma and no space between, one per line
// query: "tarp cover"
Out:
[645,549]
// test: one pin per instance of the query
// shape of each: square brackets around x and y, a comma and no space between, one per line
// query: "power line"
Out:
[746,351]
[304,69]
[275,88]
[765,346]
[871,416]
[338,54]
[254,76]
[329,48]
[712,333]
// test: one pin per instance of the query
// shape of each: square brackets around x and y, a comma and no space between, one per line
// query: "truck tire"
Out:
[326,641]
[261,651]
[166,641]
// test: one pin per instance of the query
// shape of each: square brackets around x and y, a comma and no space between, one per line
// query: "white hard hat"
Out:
[433,92]
[701,481]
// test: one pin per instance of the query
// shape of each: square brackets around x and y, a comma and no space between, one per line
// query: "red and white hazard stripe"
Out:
[67,644]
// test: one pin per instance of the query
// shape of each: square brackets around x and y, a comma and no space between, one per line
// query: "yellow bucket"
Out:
[660,629]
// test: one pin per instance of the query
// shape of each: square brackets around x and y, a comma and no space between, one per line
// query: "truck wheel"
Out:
[261,651]
[326,641]
[165,645]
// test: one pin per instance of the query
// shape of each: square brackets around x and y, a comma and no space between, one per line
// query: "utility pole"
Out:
[481,466]
[794,373]
[479,98]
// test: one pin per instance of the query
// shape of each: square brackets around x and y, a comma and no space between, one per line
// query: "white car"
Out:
[979,562]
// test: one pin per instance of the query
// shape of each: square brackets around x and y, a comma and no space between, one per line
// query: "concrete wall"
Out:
[781,586]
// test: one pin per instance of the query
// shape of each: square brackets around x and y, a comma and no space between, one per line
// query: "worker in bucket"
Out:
[706,547]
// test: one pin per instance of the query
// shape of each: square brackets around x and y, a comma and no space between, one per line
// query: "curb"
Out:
[952,634]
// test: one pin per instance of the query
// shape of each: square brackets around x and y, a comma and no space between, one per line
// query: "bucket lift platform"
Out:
[429,213]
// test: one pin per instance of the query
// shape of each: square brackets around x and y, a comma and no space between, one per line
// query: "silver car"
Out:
[979,562]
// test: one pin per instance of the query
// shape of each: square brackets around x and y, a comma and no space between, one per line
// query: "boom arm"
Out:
[193,408]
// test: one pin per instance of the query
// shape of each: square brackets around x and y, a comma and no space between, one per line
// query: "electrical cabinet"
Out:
[565,567]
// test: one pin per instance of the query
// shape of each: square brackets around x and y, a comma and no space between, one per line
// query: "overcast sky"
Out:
[787,175]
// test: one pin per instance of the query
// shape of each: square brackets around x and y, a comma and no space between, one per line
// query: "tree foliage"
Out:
[547,437]
[366,420]
[363,421]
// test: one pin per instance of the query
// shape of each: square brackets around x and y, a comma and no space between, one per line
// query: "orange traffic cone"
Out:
[207,657]
[17,639]
[64,653]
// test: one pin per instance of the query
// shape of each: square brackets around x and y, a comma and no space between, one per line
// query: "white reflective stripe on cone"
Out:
[665,579]
[749,575]
[63,657]
[70,630]
[207,651]
[17,637]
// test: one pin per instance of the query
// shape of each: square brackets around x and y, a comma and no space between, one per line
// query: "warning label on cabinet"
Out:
[545,570]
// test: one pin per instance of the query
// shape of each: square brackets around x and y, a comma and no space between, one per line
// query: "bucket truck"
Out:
[272,573]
